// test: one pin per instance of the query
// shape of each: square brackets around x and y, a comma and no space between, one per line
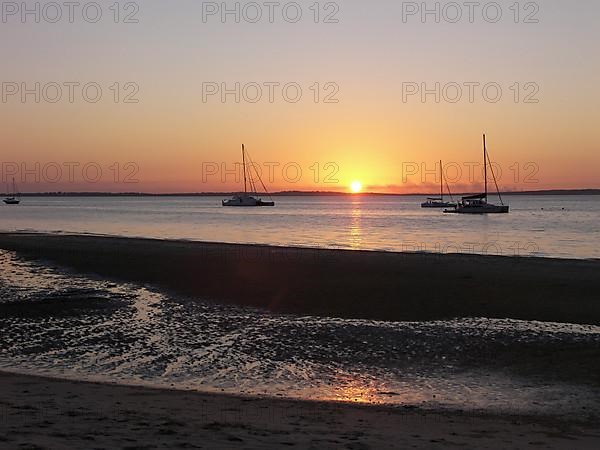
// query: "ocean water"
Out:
[58,323]
[547,226]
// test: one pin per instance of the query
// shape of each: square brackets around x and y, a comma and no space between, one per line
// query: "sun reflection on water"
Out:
[355,389]
[355,225]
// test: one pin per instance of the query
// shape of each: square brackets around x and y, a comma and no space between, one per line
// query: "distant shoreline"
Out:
[298,193]
[335,283]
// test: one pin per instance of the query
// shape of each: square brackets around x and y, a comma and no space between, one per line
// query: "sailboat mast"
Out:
[485,166]
[441,181]
[244,164]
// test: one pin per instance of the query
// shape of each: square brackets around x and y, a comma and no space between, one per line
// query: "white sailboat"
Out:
[12,197]
[439,202]
[478,204]
[245,199]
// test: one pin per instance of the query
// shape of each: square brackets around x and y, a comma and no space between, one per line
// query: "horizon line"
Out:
[577,191]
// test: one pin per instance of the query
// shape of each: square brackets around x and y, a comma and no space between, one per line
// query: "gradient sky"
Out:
[370,134]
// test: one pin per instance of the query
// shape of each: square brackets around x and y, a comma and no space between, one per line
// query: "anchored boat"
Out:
[12,197]
[245,199]
[439,202]
[478,204]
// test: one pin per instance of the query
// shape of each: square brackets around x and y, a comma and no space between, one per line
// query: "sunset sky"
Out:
[372,134]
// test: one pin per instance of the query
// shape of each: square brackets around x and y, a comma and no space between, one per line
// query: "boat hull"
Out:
[248,206]
[246,202]
[12,202]
[433,205]
[488,209]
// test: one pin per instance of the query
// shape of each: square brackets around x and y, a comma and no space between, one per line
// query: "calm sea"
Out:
[554,226]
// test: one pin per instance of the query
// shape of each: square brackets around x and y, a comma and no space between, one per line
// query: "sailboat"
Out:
[245,199]
[438,202]
[478,204]
[12,198]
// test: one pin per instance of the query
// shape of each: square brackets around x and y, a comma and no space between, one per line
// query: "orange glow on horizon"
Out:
[349,122]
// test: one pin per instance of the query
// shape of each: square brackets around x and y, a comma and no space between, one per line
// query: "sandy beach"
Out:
[47,413]
[163,362]
[337,283]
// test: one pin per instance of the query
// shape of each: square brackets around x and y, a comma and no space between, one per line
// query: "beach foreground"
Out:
[336,283]
[48,413]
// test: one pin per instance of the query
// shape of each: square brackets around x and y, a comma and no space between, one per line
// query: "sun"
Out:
[356,187]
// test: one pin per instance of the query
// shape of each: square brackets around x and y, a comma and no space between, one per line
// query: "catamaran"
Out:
[438,202]
[245,198]
[478,204]
[12,198]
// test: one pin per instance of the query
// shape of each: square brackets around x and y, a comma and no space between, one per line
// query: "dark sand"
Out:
[352,284]
[44,413]
[47,413]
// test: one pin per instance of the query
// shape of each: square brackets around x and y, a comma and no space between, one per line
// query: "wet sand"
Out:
[40,412]
[47,413]
[336,283]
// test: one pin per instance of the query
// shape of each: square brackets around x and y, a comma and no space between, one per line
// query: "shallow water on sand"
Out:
[58,323]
